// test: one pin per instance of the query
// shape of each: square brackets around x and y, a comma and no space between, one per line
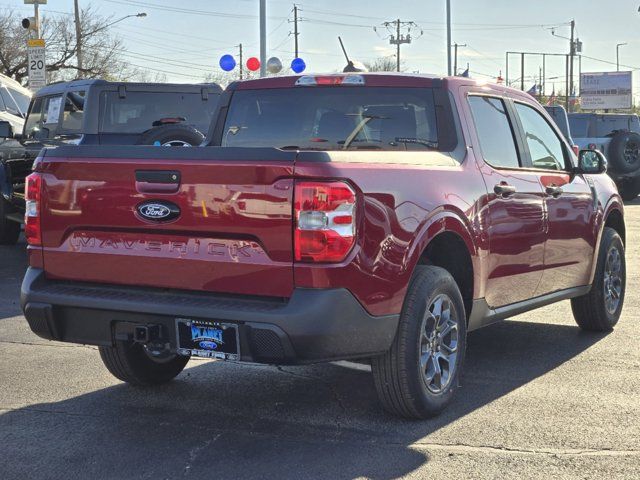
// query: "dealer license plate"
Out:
[208,339]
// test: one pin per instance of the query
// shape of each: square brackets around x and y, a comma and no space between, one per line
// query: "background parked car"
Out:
[96,112]
[618,137]
[14,103]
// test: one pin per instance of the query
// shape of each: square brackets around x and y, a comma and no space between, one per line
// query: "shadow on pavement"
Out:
[222,420]
[13,263]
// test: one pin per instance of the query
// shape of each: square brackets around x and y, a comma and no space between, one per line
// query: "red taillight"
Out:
[32,194]
[325,221]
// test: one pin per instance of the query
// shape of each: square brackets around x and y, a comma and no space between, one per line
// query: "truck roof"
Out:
[61,87]
[10,82]
[377,79]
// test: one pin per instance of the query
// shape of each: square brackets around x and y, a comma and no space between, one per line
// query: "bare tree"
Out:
[102,52]
[383,64]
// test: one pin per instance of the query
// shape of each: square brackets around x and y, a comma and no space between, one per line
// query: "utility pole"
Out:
[618,55]
[295,29]
[241,66]
[572,53]
[399,38]
[455,57]
[263,38]
[78,38]
[449,37]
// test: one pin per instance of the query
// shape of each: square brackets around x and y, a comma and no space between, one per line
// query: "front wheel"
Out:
[418,376]
[600,309]
[135,364]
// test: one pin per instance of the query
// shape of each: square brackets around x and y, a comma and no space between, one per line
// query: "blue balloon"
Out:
[298,65]
[227,63]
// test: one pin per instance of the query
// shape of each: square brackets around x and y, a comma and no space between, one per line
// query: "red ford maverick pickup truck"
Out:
[350,216]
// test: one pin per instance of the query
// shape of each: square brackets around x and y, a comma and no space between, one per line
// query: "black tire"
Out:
[9,230]
[624,152]
[591,311]
[629,189]
[401,382]
[130,363]
[167,134]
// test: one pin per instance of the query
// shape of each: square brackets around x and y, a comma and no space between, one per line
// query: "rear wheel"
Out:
[9,230]
[135,364]
[600,309]
[418,376]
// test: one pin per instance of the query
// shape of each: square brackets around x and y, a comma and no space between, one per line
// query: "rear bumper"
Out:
[311,326]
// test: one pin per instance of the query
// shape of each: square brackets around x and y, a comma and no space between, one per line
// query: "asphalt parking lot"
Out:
[540,399]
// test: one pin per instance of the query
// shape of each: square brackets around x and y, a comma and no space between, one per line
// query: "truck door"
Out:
[569,203]
[515,201]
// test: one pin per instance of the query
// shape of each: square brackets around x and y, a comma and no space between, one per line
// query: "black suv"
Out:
[97,112]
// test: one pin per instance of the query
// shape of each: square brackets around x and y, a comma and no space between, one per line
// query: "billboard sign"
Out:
[606,90]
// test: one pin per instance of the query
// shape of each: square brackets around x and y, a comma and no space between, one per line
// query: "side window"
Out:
[33,124]
[544,145]
[20,99]
[73,114]
[50,115]
[494,132]
[2,106]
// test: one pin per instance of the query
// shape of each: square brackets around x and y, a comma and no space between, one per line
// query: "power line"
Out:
[399,38]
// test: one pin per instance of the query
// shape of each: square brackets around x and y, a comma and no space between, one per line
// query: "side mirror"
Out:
[591,162]
[6,130]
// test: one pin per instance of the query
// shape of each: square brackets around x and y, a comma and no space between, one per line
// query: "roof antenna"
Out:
[350,65]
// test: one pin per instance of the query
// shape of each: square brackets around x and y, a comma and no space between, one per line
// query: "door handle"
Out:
[157,181]
[553,190]
[504,189]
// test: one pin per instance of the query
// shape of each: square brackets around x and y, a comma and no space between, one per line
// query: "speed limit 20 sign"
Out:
[37,66]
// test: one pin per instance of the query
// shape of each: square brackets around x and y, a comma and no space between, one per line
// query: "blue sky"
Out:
[186,44]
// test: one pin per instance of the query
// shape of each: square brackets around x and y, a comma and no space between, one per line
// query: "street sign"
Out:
[36,64]
[606,90]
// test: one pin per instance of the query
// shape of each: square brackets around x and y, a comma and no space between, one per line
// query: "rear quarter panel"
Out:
[405,200]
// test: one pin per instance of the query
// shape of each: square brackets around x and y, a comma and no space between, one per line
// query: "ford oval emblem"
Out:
[158,211]
[205,344]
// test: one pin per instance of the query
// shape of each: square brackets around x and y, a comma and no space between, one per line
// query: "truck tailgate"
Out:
[232,231]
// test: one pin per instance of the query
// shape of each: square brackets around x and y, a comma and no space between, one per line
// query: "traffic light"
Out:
[30,23]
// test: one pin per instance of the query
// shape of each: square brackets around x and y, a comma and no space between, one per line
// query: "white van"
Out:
[14,102]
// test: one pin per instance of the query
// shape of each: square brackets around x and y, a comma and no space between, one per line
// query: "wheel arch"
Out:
[615,219]
[446,242]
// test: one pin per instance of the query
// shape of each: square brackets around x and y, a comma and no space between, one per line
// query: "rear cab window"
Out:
[333,118]
[138,112]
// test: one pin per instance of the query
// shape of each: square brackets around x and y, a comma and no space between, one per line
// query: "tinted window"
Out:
[20,99]
[141,111]
[34,119]
[544,145]
[579,126]
[8,104]
[333,118]
[494,132]
[605,126]
[73,111]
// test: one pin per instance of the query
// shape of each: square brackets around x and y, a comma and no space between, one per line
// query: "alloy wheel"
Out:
[439,344]
[612,280]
